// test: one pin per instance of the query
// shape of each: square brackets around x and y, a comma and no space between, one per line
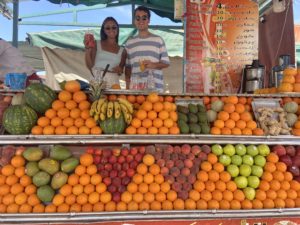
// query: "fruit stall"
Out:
[121,156]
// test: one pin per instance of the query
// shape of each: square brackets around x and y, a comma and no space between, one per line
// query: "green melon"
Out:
[19,119]
[113,126]
[39,97]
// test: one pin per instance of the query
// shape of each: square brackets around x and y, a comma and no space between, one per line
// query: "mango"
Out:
[58,180]
[59,152]
[33,154]
[69,165]
[41,178]
[49,165]
[45,193]
[32,168]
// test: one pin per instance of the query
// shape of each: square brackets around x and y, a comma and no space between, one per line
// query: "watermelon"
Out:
[19,119]
[39,97]
[113,126]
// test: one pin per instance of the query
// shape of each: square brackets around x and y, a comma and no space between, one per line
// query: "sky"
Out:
[96,16]
[121,14]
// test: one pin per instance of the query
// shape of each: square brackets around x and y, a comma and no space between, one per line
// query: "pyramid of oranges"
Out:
[235,119]
[154,116]
[69,114]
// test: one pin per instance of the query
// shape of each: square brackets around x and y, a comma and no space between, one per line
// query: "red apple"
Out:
[157,155]
[188,163]
[170,179]
[191,156]
[116,197]
[100,167]
[98,151]
[122,188]
[177,149]
[202,156]
[130,172]
[116,151]
[179,164]
[196,149]
[133,151]
[122,174]
[108,167]
[286,159]
[177,186]
[117,181]
[107,181]
[104,173]
[150,149]
[166,156]
[290,150]
[142,149]
[113,173]
[169,149]
[125,166]
[185,171]
[191,178]
[112,159]
[296,160]
[187,186]
[133,164]
[164,171]
[138,157]
[175,171]
[129,158]
[181,179]
[124,151]
[174,156]
[186,149]
[107,152]
[206,149]
[97,159]
[112,189]
[184,195]
[169,164]
[90,150]
[279,150]
[161,162]
[294,170]
[121,159]
[126,180]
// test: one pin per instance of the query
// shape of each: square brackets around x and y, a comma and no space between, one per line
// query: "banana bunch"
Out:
[103,109]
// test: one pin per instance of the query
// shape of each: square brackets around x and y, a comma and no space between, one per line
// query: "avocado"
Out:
[192,118]
[69,165]
[184,128]
[195,128]
[60,152]
[41,178]
[182,109]
[201,108]
[182,116]
[33,154]
[58,180]
[49,165]
[205,129]
[45,193]
[32,168]
[202,117]
[192,108]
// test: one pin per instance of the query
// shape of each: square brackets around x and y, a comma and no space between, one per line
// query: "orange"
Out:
[152,130]
[272,157]
[219,123]
[267,176]
[232,99]
[271,194]
[165,187]
[154,188]
[194,195]
[142,169]
[148,160]
[147,106]
[288,176]
[229,123]
[21,198]
[172,195]
[79,96]
[96,130]
[37,130]
[217,195]
[199,185]
[201,204]
[132,188]
[246,131]
[153,97]
[25,208]
[282,194]
[163,114]
[50,208]
[278,175]
[84,179]
[48,130]
[131,99]
[72,86]
[174,130]
[8,170]
[149,197]
[206,166]
[141,114]
[285,185]
[213,204]
[30,189]
[238,195]
[229,107]
[17,161]
[236,131]
[84,105]
[63,113]
[220,185]
[43,121]
[68,122]
[280,166]
[137,178]
[215,131]
[218,166]
[246,204]
[137,197]
[260,195]
[268,203]
[136,123]
[258,131]
[289,203]
[58,104]
[86,159]
[56,121]
[224,204]
[154,169]
[60,130]
[158,106]
[73,179]
[16,189]
[84,130]
[157,122]
[140,99]
[168,123]
[190,204]
[213,175]
[227,195]
[168,106]
[210,185]
[270,167]
[8,199]
[4,189]
[279,203]
[110,206]
[82,198]
[90,122]
[152,114]
[251,125]
[64,96]
[155,205]
[246,116]
[71,104]
[239,108]
[292,194]
[63,208]
[11,180]
[105,197]
[88,189]
[159,179]
[264,185]
[130,130]
[147,123]
[173,115]
[163,130]
[72,130]
[58,199]
[223,115]
[101,188]
[126,197]
[77,189]
[234,116]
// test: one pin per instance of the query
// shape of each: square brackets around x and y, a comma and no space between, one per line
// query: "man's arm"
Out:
[127,76]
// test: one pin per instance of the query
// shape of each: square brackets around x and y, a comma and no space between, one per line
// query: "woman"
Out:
[106,51]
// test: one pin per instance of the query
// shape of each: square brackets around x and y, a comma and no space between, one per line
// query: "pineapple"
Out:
[96,89]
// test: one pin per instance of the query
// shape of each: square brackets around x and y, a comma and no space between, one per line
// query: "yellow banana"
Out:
[102,116]
[117,109]
[128,105]
[110,109]
[96,117]
[128,118]
[104,107]
[124,110]
[99,104]
[93,108]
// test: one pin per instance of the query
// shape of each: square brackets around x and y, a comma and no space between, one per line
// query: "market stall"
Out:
[137,157]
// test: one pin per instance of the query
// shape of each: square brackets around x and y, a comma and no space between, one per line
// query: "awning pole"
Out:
[132,13]
[15,23]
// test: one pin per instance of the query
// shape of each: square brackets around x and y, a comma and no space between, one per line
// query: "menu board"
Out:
[221,38]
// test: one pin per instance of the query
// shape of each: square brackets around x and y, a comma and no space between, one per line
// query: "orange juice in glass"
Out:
[142,65]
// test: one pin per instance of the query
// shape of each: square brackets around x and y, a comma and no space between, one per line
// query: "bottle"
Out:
[150,80]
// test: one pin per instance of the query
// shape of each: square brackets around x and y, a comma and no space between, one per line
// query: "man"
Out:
[12,61]
[147,55]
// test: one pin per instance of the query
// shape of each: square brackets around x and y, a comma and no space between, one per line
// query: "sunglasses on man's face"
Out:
[110,28]
[138,18]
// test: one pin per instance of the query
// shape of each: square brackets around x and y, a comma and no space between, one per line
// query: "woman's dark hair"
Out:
[143,8]
[103,35]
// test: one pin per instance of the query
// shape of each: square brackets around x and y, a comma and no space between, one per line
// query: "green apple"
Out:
[263,149]
[233,170]
[245,170]
[217,149]
[240,149]
[225,160]
[249,193]
[241,181]
[259,160]
[257,171]
[248,159]
[236,160]
[229,150]
[252,150]
[253,181]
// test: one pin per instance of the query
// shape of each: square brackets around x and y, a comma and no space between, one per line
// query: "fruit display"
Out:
[193,119]
[68,115]
[112,115]
[152,177]
[154,116]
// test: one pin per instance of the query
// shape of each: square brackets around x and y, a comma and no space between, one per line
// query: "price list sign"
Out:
[221,38]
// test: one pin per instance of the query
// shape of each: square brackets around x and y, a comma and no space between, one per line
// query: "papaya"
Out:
[32,168]
[45,193]
[49,165]
[58,180]
[41,178]
[60,152]
[69,165]
[33,154]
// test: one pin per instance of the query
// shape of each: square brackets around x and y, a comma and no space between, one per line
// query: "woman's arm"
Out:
[120,68]
[90,55]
